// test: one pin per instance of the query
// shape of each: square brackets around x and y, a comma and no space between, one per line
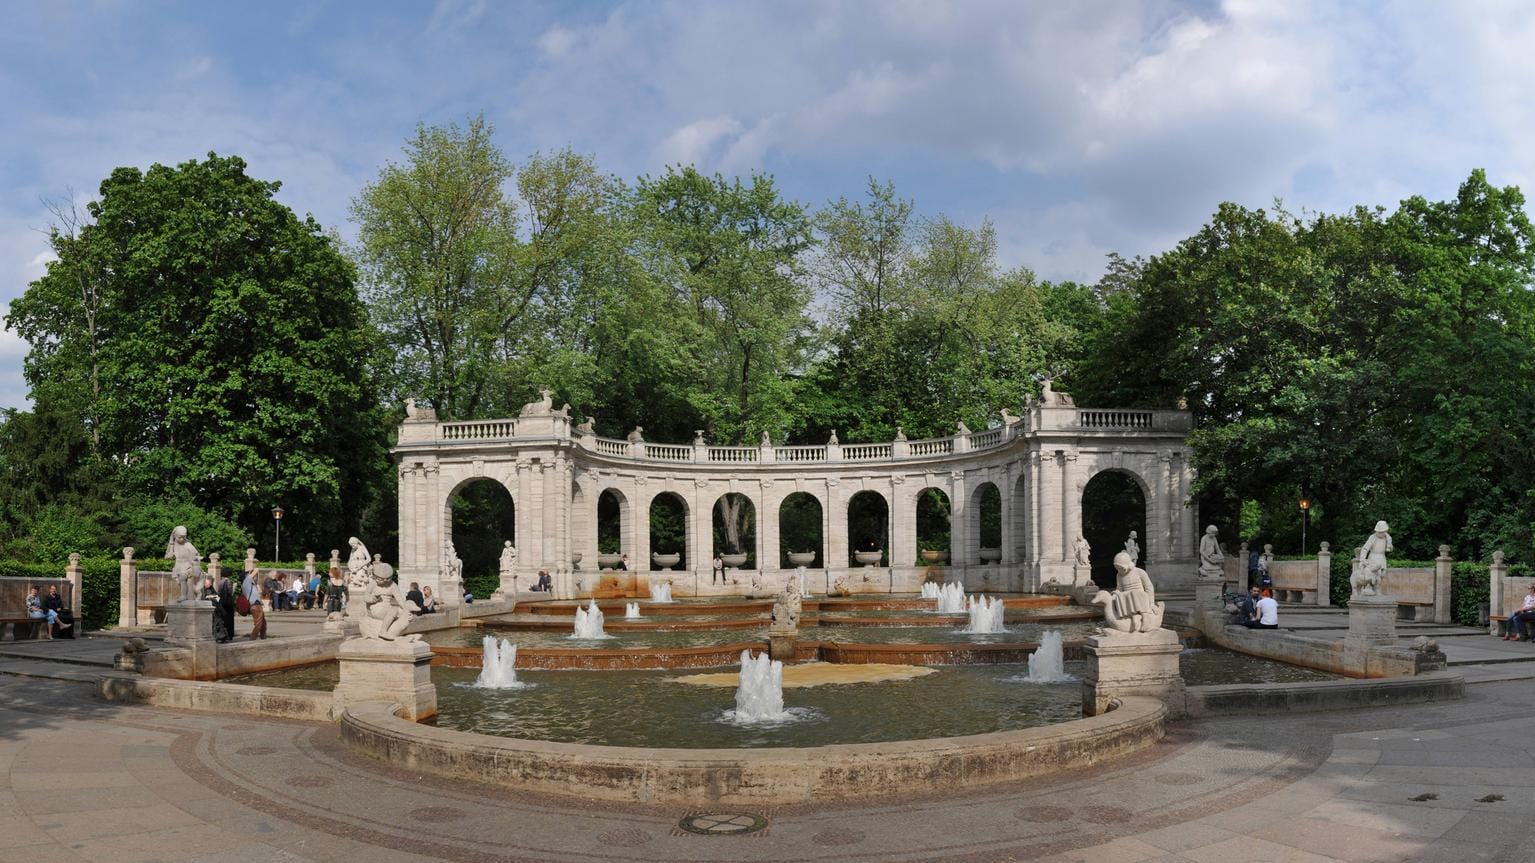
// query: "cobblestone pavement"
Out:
[85,780]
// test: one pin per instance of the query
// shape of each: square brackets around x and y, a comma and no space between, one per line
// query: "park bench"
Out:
[19,623]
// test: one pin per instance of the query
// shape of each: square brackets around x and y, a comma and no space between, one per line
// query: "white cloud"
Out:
[694,142]
[556,41]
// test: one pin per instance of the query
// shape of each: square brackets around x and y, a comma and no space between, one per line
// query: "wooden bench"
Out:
[34,627]
[156,612]
[1501,621]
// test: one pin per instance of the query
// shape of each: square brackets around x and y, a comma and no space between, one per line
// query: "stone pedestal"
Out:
[1371,621]
[189,625]
[342,626]
[399,672]
[782,644]
[1142,663]
[1207,592]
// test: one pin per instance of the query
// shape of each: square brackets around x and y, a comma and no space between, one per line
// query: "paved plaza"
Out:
[82,779]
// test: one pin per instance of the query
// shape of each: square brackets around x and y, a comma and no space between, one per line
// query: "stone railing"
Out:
[1115,419]
[867,451]
[733,454]
[478,430]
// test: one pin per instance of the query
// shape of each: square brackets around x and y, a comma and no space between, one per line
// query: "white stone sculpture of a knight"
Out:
[1132,606]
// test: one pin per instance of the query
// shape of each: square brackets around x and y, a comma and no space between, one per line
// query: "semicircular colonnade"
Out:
[557,473]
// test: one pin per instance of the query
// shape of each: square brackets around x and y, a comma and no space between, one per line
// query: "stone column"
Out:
[964,548]
[1009,538]
[127,589]
[1071,505]
[1324,574]
[1496,573]
[216,569]
[834,539]
[1139,663]
[76,579]
[527,538]
[1443,564]
[639,558]
[902,517]
[1170,504]
[399,672]
[701,513]
[768,558]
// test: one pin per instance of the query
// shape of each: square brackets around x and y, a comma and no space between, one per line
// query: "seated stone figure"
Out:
[384,615]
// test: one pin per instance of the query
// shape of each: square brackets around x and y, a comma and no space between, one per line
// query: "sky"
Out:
[1078,129]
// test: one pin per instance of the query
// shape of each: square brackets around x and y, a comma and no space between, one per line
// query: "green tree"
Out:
[229,343]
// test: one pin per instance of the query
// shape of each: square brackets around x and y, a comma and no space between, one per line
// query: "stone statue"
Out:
[383,610]
[1212,561]
[187,571]
[509,564]
[358,564]
[787,607]
[543,407]
[1133,606]
[1266,558]
[1084,552]
[698,438]
[766,440]
[832,441]
[1370,562]
[960,428]
[587,427]
[637,435]
[1133,546]
[418,413]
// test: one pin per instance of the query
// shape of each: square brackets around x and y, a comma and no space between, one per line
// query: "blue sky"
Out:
[1078,128]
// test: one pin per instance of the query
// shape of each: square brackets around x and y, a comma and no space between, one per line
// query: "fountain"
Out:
[759,697]
[985,614]
[1047,663]
[660,592]
[589,622]
[803,589]
[499,668]
[631,611]
[930,590]
[951,599]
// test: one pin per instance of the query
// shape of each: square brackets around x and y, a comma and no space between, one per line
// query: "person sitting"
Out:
[1268,612]
[1247,606]
[55,603]
[296,592]
[428,602]
[274,590]
[36,611]
[544,583]
[468,597]
[1522,618]
[413,598]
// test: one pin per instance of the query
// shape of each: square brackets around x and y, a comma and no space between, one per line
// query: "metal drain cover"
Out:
[723,823]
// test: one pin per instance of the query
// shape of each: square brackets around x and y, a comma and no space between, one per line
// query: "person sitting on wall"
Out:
[1268,612]
[1522,618]
[544,582]
[468,597]
[36,611]
[1247,607]
[623,563]
[428,602]
[315,589]
[414,596]
[279,596]
[296,592]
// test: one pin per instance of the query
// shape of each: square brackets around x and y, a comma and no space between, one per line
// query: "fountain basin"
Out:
[801,558]
[666,561]
[935,556]
[991,555]
[778,776]
[608,561]
[868,558]
[733,561]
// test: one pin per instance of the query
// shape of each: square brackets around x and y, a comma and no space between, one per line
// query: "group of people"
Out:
[1258,609]
[50,608]
[425,602]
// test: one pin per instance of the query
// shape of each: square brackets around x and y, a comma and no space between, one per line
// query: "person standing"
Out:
[335,591]
[225,591]
[719,569]
[252,590]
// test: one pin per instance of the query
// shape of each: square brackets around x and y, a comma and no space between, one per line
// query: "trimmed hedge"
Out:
[102,581]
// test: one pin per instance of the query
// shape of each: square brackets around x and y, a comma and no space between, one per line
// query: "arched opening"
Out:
[1020,518]
[933,526]
[799,529]
[482,517]
[868,527]
[1113,505]
[735,530]
[987,501]
[668,532]
[612,510]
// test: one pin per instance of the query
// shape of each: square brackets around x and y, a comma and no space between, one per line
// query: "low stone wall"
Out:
[241,657]
[1205,701]
[1332,656]
[210,697]
[777,776]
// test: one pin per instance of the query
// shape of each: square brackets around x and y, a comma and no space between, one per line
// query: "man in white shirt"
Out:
[1519,619]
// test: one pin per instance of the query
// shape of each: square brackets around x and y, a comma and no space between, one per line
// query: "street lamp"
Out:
[277,544]
[1305,512]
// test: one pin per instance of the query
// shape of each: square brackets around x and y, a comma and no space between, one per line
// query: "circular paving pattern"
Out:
[258,750]
[1179,778]
[438,813]
[311,781]
[1043,814]
[1107,815]
[723,823]
[838,836]
[626,837]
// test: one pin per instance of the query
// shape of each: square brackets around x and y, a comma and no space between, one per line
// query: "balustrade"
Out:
[668,452]
[1116,419]
[608,446]
[479,430]
[937,446]
[865,451]
[799,453]
[734,454]
[985,439]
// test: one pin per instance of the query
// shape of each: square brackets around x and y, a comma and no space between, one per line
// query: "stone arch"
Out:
[1021,548]
[479,514]
[1114,502]
[934,521]
[985,513]
[801,516]
[868,525]
[668,523]
[745,515]
[614,522]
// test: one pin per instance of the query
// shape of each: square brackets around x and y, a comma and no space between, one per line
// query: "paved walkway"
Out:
[85,780]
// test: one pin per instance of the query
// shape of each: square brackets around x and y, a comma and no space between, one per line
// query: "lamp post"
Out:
[1305,518]
[277,543]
